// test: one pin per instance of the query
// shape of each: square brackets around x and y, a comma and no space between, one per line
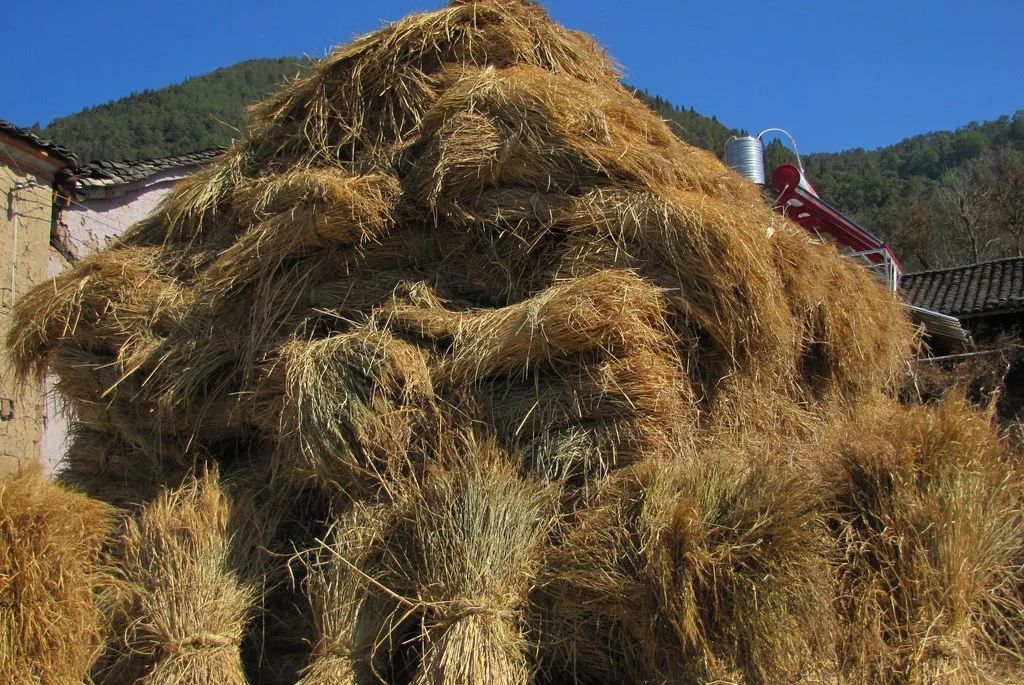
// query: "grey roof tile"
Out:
[31,137]
[970,290]
[117,172]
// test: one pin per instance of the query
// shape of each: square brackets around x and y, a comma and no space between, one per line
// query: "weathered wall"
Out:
[25,221]
[56,428]
[89,224]
[93,221]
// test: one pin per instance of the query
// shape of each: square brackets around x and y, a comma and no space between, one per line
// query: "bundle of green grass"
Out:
[459,367]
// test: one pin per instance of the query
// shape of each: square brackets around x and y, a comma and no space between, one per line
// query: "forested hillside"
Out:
[203,112]
[208,111]
[691,126]
[940,198]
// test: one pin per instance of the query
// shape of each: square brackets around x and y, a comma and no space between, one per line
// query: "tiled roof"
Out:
[32,138]
[106,174]
[971,290]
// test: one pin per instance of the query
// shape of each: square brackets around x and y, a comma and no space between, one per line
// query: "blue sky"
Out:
[837,74]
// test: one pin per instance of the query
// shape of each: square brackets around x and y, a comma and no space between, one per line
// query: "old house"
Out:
[111,196]
[57,212]
[32,173]
[987,298]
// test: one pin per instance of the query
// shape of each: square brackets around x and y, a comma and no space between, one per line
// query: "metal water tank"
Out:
[745,156]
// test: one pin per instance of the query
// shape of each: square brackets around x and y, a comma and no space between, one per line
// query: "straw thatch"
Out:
[53,581]
[518,387]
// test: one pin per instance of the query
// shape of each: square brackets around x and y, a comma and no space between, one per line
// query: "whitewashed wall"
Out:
[89,224]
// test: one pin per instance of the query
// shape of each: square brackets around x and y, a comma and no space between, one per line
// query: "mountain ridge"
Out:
[200,112]
[908,192]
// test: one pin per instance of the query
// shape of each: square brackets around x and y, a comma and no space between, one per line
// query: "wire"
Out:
[17,167]
[119,228]
[11,199]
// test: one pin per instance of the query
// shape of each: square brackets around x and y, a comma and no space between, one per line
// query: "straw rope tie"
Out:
[339,647]
[450,613]
[199,643]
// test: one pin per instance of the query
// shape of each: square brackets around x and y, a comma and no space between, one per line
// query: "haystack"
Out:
[54,581]
[458,282]
[508,208]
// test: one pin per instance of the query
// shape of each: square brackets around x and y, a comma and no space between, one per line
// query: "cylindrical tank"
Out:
[745,156]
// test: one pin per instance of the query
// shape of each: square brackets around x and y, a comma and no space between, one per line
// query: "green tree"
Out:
[202,112]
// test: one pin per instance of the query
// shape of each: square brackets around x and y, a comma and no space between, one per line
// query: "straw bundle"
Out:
[697,568]
[350,614]
[580,422]
[114,305]
[373,93]
[290,213]
[532,388]
[53,581]
[467,547]
[931,527]
[352,403]
[191,590]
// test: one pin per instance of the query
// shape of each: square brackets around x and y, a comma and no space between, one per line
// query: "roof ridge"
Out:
[969,290]
[29,136]
[139,160]
[107,173]
[963,267]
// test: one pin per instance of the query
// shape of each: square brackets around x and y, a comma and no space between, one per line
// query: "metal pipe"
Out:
[963,355]
[799,162]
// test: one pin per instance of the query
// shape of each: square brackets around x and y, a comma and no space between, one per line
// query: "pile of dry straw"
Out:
[461,368]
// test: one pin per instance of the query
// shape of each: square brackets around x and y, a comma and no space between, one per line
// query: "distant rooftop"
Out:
[965,291]
[105,174]
[32,138]
[108,174]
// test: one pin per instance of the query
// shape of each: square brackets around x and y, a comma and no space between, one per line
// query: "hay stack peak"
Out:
[476,183]
[454,299]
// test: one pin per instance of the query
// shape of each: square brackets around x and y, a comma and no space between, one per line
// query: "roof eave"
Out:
[51,157]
